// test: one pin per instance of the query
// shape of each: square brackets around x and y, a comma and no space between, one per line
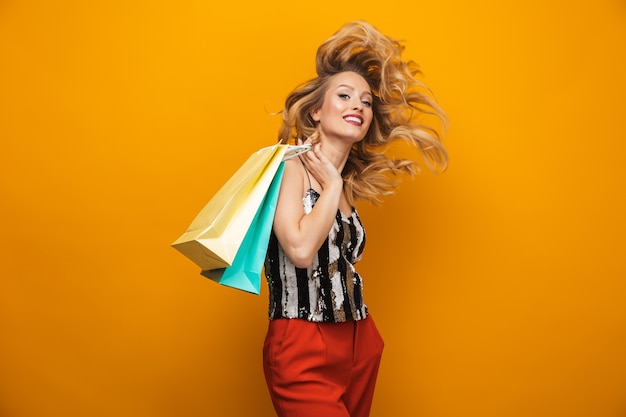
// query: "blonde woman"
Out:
[322,351]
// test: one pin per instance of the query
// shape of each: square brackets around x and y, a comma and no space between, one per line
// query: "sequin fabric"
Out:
[330,290]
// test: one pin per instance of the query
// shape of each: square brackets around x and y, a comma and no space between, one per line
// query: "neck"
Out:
[337,153]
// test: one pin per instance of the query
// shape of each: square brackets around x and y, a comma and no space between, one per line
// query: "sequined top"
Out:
[330,290]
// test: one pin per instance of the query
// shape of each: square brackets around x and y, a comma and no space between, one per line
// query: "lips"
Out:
[354,119]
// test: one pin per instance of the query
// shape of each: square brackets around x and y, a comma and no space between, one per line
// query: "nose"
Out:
[358,105]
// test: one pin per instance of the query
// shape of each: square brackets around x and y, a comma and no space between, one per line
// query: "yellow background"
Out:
[498,286]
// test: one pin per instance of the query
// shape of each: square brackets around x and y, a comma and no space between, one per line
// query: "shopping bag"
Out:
[245,271]
[213,238]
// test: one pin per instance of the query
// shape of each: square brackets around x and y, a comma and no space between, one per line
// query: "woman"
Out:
[322,350]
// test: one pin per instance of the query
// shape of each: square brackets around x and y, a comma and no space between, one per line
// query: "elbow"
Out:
[303,263]
[301,258]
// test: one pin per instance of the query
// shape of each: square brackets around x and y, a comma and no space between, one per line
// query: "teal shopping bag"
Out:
[245,271]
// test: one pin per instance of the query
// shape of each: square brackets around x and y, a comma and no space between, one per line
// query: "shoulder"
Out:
[294,176]
[294,163]
[289,206]
[294,168]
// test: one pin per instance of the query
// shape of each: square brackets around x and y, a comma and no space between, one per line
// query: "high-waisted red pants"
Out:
[322,369]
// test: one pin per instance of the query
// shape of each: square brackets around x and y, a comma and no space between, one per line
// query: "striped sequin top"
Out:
[330,290]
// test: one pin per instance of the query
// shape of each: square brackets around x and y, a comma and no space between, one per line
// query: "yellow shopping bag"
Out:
[215,235]
[247,267]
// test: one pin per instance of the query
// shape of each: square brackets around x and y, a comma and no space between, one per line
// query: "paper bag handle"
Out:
[296,150]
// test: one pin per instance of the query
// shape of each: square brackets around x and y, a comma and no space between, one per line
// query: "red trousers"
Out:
[322,369]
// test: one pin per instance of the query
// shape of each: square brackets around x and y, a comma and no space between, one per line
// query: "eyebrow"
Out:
[352,88]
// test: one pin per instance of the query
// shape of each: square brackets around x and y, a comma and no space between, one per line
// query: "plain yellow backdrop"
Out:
[498,286]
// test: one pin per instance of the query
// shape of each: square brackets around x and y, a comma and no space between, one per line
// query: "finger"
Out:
[312,154]
[308,159]
[317,150]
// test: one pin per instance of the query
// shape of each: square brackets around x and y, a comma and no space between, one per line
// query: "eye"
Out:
[344,96]
[367,103]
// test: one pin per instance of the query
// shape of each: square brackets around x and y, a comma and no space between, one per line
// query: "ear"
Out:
[315,115]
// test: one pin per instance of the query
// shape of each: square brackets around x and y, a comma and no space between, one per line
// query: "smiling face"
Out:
[346,113]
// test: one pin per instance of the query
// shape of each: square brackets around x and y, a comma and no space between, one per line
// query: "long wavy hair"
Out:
[400,102]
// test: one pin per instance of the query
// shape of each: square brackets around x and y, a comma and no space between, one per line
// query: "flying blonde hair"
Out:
[399,102]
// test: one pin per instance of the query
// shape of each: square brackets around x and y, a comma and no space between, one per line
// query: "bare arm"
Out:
[302,235]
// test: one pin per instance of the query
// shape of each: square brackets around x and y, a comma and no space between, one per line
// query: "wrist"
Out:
[334,185]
